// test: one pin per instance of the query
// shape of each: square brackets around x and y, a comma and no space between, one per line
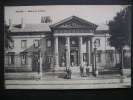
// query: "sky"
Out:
[33,14]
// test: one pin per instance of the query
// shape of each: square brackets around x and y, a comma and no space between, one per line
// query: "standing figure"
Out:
[38,65]
[63,62]
[81,71]
[70,72]
[87,70]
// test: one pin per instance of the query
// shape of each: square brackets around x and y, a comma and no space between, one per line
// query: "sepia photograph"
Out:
[67,47]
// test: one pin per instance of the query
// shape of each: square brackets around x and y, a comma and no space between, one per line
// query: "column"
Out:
[88,53]
[56,52]
[80,50]
[92,54]
[67,52]
[91,50]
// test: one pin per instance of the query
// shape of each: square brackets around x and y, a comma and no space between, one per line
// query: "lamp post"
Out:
[95,65]
[40,59]
[66,52]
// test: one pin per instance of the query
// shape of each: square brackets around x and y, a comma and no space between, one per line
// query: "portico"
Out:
[73,50]
[73,42]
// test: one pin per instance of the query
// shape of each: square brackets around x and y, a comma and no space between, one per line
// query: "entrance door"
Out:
[74,58]
[35,64]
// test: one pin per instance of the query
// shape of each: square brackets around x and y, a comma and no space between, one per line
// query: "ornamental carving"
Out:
[73,24]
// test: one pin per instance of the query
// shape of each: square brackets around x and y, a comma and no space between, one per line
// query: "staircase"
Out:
[61,70]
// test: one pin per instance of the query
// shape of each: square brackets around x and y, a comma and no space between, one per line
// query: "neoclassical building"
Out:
[69,42]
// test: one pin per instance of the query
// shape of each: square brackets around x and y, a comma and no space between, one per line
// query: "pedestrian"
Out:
[81,71]
[38,65]
[69,73]
[121,77]
[87,70]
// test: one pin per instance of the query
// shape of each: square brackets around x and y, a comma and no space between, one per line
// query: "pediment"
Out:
[74,22]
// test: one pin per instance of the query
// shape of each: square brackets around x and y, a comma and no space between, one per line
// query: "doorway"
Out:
[74,58]
[35,64]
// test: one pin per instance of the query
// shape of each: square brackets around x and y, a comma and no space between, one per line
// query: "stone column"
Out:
[88,52]
[67,52]
[92,55]
[91,50]
[80,50]
[56,52]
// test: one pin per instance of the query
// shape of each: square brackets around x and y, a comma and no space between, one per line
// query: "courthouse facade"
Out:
[69,42]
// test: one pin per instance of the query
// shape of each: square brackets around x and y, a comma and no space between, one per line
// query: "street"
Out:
[56,83]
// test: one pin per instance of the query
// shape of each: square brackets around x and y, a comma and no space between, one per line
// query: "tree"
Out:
[120,31]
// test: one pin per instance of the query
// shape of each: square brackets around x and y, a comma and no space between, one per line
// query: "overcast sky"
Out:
[92,13]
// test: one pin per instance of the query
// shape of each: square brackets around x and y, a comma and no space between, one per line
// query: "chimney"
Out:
[22,23]
[50,20]
[46,19]
[42,19]
[10,24]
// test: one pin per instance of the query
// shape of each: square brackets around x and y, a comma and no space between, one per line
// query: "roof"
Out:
[44,27]
[102,27]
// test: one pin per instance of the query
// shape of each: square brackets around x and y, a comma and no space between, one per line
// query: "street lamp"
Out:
[95,65]
[66,51]
[40,59]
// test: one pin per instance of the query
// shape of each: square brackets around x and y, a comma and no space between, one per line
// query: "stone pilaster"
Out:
[88,53]
[56,52]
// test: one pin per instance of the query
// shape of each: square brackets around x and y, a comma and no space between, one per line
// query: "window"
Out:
[110,56]
[11,59]
[48,43]
[23,57]
[11,44]
[108,42]
[49,59]
[99,56]
[36,43]
[84,57]
[97,42]
[23,43]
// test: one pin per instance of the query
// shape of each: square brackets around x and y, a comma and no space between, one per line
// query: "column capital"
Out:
[67,37]
[55,36]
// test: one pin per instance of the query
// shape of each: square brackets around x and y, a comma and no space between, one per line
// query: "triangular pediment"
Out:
[74,22]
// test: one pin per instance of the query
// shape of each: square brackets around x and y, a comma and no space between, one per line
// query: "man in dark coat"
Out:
[81,71]
[87,70]
[69,73]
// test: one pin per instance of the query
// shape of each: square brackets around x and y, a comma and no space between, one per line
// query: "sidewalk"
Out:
[65,81]
[30,80]
[56,83]
[76,82]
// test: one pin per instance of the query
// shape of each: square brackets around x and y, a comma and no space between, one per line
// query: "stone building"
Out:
[69,42]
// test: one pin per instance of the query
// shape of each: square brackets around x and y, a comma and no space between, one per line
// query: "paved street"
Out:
[74,83]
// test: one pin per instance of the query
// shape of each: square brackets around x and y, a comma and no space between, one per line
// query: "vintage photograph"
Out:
[67,47]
